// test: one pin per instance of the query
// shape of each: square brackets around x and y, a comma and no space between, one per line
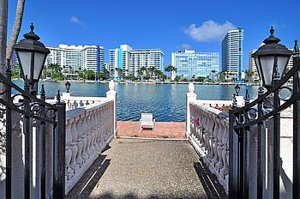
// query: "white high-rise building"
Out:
[131,60]
[89,57]
[233,52]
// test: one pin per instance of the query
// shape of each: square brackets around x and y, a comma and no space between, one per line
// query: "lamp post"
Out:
[237,89]
[31,54]
[68,86]
[271,60]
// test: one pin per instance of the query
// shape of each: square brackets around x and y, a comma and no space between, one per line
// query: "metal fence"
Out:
[35,116]
[251,120]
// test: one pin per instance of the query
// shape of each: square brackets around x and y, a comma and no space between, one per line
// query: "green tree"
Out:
[16,28]
[177,78]
[142,72]
[90,74]
[151,70]
[249,76]
[200,79]
[120,72]
[222,76]
[213,74]
[102,76]
[173,71]
[158,73]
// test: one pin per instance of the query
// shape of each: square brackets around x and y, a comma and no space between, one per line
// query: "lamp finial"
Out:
[272,30]
[31,27]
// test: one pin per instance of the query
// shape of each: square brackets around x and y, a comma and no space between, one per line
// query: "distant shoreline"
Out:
[150,82]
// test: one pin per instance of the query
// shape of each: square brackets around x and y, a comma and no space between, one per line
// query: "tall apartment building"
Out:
[131,60]
[232,52]
[253,68]
[89,57]
[191,64]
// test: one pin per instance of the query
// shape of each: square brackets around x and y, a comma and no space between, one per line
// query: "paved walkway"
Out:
[172,130]
[132,168]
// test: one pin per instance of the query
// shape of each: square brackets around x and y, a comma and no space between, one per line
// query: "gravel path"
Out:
[133,168]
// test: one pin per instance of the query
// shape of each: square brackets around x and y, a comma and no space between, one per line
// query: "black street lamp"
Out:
[31,55]
[68,86]
[237,89]
[271,60]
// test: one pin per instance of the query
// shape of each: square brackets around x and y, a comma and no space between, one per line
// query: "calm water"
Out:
[165,101]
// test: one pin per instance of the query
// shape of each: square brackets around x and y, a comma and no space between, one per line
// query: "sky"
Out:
[169,25]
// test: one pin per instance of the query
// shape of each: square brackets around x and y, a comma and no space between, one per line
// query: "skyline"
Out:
[166,25]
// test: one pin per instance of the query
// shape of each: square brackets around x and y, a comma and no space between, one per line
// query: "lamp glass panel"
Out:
[258,67]
[267,65]
[282,62]
[25,59]
[38,64]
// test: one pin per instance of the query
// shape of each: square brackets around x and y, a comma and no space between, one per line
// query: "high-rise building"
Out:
[131,60]
[77,57]
[232,52]
[253,68]
[191,64]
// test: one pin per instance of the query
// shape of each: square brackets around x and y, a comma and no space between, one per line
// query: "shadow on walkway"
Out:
[209,182]
[133,196]
[90,178]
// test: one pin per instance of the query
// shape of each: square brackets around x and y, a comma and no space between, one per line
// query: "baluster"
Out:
[221,145]
[73,144]
[78,123]
[215,144]
[82,137]
[89,133]
[201,126]
[68,151]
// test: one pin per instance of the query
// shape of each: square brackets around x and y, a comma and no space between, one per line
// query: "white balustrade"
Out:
[73,102]
[210,137]
[209,134]
[88,131]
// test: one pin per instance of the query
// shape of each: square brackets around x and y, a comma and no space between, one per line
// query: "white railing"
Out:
[88,131]
[73,102]
[208,132]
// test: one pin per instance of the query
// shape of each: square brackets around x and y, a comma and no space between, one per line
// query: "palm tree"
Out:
[106,71]
[142,71]
[151,71]
[3,33]
[249,75]
[158,73]
[213,72]
[16,28]
[173,71]
[120,72]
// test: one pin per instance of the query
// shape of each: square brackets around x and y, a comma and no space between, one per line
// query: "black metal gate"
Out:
[35,114]
[251,120]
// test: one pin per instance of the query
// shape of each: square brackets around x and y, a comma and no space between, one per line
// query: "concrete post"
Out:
[112,94]
[66,96]
[190,97]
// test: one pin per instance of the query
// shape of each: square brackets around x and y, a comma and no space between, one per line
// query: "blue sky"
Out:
[169,25]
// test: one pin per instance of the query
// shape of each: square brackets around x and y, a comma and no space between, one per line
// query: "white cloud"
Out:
[186,46]
[76,20]
[209,31]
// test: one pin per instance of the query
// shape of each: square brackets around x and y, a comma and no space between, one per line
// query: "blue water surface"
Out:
[165,101]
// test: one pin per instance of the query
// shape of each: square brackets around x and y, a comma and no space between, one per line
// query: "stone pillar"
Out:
[190,97]
[66,96]
[112,94]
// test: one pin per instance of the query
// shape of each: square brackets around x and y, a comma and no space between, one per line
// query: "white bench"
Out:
[147,121]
